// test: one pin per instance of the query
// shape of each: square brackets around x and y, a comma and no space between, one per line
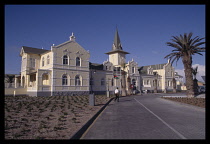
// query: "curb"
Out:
[81,131]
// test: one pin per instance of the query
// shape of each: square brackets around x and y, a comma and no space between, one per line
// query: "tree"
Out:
[195,81]
[184,48]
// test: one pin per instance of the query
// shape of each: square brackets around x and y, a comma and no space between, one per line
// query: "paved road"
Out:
[148,117]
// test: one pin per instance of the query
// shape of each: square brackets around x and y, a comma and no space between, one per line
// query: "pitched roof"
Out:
[117,43]
[95,66]
[155,67]
[117,47]
[34,50]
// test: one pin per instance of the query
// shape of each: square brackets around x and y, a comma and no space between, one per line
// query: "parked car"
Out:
[201,89]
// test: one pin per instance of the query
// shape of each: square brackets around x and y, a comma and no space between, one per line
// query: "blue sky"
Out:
[143,29]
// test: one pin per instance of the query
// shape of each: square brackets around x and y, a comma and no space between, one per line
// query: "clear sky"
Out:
[143,30]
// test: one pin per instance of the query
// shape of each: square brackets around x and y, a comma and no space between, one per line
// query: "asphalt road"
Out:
[148,117]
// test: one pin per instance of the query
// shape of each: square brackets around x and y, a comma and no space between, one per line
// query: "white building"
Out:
[66,70]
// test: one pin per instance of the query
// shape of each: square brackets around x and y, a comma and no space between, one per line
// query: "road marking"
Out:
[179,134]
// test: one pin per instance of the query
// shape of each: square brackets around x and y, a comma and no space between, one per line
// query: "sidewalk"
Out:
[147,117]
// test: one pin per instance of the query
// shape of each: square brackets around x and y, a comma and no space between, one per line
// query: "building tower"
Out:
[117,55]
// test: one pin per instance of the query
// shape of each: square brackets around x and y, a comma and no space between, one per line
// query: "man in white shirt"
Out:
[116,92]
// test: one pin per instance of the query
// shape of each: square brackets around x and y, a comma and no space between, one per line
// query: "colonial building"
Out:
[159,77]
[66,70]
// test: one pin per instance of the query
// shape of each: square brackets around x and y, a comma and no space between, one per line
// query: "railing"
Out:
[46,88]
[12,85]
[31,88]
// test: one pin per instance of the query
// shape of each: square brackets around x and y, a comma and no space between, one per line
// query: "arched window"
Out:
[65,59]
[78,61]
[102,81]
[133,70]
[133,81]
[45,79]
[48,59]
[77,80]
[153,82]
[148,82]
[169,83]
[43,61]
[64,80]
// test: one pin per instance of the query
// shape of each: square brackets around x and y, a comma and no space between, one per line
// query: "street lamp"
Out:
[91,95]
[140,86]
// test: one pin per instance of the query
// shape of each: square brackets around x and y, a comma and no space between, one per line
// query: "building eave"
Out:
[117,51]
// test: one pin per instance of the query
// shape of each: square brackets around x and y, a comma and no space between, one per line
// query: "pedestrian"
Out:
[116,92]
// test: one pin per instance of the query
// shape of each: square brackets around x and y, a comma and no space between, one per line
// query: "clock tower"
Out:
[117,55]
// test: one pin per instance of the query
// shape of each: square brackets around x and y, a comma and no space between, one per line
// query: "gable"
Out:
[32,50]
[72,49]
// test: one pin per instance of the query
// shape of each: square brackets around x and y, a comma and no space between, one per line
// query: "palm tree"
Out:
[195,81]
[184,48]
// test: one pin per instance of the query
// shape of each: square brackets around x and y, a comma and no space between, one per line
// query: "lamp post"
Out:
[107,90]
[91,95]
[140,88]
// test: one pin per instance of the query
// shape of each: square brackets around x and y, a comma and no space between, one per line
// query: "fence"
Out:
[11,90]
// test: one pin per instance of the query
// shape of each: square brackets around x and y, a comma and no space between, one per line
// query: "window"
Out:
[45,79]
[102,81]
[112,82]
[65,59]
[154,83]
[148,82]
[32,62]
[77,61]
[133,70]
[77,80]
[43,61]
[133,81]
[169,83]
[48,59]
[64,80]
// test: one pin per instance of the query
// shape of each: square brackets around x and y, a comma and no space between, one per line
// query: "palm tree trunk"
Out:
[187,61]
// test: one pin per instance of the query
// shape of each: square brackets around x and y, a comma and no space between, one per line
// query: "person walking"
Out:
[116,92]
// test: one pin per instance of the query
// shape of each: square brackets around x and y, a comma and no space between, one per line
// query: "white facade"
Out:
[66,70]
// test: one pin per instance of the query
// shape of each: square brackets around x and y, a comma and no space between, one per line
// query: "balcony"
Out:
[31,70]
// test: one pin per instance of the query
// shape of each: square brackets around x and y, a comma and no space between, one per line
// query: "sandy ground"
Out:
[57,117]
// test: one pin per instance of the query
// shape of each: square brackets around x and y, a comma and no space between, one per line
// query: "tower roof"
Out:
[117,47]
